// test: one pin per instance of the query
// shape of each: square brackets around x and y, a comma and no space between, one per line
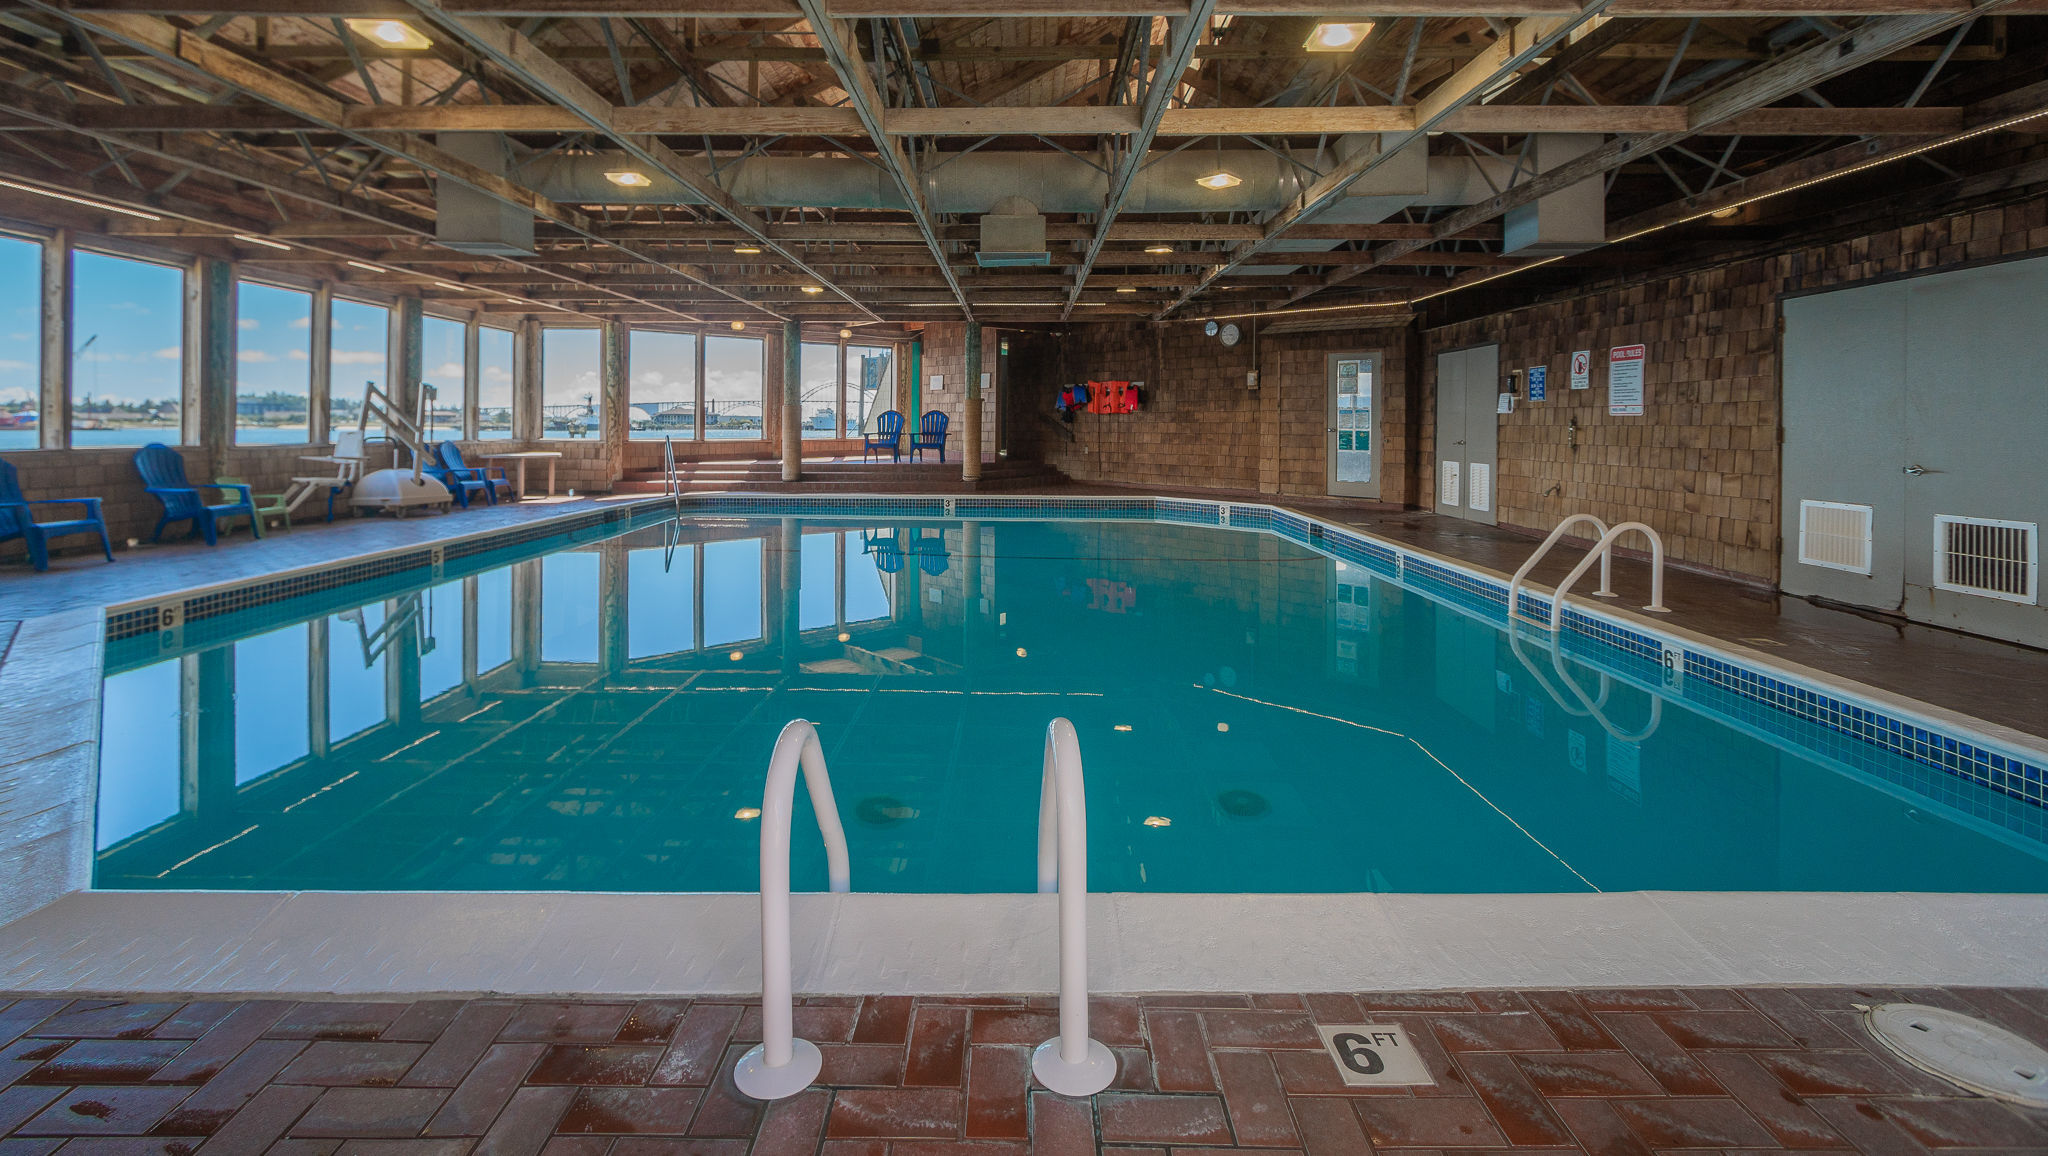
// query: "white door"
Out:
[1352,378]
[1467,432]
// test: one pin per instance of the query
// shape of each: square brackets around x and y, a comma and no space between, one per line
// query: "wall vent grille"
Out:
[1987,557]
[1835,535]
[1480,487]
[1447,492]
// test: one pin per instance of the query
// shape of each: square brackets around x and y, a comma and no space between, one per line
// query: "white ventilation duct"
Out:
[472,222]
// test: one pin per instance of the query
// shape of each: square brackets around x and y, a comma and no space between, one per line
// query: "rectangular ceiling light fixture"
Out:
[1337,37]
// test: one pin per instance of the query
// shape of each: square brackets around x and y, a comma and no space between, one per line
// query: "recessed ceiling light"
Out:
[371,268]
[1220,179]
[87,202]
[845,637]
[746,814]
[1127,289]
[1021,653]
[747,250]
[814,288]
[737,655]
[628,179]
[845,333]
[1336,37]
[1159,248]
[1724,214]
[738,325]
[263,241]
[390,33]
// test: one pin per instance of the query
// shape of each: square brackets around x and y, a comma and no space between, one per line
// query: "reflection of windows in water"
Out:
[1353,605]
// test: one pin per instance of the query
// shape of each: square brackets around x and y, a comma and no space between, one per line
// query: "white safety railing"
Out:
[671,484]
[1589,706]
[1603,552]
[1071,1064]
[782,1065]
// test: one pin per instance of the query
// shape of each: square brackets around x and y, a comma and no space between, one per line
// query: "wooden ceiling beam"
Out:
[941,9]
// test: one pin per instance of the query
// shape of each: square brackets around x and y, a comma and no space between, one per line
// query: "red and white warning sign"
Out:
[1582,369]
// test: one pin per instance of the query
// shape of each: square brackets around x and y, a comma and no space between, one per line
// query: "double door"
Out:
[1467,432]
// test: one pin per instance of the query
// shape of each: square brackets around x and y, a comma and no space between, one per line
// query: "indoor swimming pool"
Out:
[1258,712]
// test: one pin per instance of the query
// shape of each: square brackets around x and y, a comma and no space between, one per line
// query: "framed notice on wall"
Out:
[1625,380]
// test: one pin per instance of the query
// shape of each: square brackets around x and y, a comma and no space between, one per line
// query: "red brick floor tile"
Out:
[1673,1066]
[726,1111]
[1514,1102]
[853,1148]
[105,1020]
[1030,1026]
[1115,1021]
[1494,1032]
[1782,1111]
[483,1093]
[1716,999]
[1570,1021]
[336,1021]
[1796,1018]
[699,1042]
[1599,1131]
[1061,1125]
[1450,1081]
[523,1126]
[1393,1122]
[1132,1118]
[1328,1126]
[1972,1123]
[795,1124]
[596,1064]
[1316,1074]
[119,1110]
[212,1104]
[998,1092]
[1695,1122]
[1133,1071]
[1195,1000]
[938,1047]
[424,1021]
[21,1058]
[673,1146]
[218,1047]
[959,1148]
[1498,1001]
[1587,1074]
[576,1146]
[1721,1029]
[855,1065]
[1414,1001]
[566,1023]
[1278,1001]
[652,1021]
[467,1037]
[1180,1052]
[1847,1073]
[1334,1007]
[628,1111]
[1260,1029]
[1252,1096]
[23,1015]
[902,1113]
[1865,1126]
[194,1020]
[883,1019]
[304,1147]
[1634,999]
[352,1063]
[370,1112]
[106,1062]
[262,1121]
[825,1025]
[121,1145]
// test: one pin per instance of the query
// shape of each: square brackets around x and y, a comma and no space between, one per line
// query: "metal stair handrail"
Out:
[1070,1063]
[1603,552]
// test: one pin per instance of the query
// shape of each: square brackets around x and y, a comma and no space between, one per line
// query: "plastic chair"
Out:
[888,435]
[351,454]
[461,478]
[931,552]
[267,505]
[17,519]
[930,435]
[163,474]
[888,553]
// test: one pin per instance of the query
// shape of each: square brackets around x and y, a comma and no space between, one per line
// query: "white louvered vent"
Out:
[1480,488]
[1988,557]
[1835,535]
[1447,485]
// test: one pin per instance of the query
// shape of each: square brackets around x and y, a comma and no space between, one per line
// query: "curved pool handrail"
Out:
[1604,550]
[782,1065]
[1071,1063]
[1594,708]
[1606,567]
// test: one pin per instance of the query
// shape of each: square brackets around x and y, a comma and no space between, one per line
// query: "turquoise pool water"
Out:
[1254,717]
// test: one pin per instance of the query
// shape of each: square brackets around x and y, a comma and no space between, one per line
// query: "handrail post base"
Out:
[755,1078]
[1083,1079]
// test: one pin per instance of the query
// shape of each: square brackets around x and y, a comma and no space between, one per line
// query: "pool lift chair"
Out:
[412,608]
[401,488]
[348,459]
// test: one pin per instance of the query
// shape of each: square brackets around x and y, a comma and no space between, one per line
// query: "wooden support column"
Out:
[526,580]
[209,416]
[789,545]
[970,417]
[526,412]
[402,662]
[405,363]
[611,607]
[320,381]
[792,382]
[54,412]
[472,373]
[611,384]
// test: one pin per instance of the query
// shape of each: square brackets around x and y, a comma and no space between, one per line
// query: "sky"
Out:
[273,340]
[129,318]
[362,334]
[21,279]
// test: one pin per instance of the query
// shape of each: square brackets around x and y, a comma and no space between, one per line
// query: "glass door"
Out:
[1351,433]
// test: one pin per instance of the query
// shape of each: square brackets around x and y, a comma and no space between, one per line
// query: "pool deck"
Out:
[1598,1071]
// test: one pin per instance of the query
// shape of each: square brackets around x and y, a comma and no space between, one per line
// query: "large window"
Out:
[569,391]
[127,350]
[870,385]
[140,741]
[494,383]
[445,367]
[355,673]
[660,602]
[361,338]
[21,341]
[818,390]
[732,388]
[568,606]
[440,640]
[273,364]
[732,591]
[271,696]
[817,574]
[662,384]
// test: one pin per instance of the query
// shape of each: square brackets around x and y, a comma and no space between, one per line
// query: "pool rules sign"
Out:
[1625,380]
[1374,1055]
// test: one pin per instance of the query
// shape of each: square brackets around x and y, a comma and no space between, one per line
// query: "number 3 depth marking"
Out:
[1357,1056]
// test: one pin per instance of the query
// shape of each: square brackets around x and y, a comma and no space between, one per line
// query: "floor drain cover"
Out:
[1982,1057]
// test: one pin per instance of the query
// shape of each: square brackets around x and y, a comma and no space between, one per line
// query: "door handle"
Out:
[1332,429]
[1916,470]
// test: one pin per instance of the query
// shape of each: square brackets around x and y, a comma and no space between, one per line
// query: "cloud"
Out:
[171,352]
[248,323]
[452,370]
[358,357]
[297,355]
[494,373]
[302,323]
[9,363]
[253,356]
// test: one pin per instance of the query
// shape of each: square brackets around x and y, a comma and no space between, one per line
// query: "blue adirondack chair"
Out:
[463,479]
[888,435]
[931,552]
[17,519]
[930,435]
[887,552]
[163,474]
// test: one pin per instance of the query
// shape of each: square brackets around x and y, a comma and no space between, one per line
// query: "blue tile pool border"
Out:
[1854,727]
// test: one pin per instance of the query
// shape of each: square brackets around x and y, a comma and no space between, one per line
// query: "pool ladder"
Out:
[1603,552]
[782,1065]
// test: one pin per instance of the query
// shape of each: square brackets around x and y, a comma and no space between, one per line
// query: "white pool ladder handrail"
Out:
[671,483]
[1603,551]
[1606,565]
[782,1065]
[1594,707]
[1071,1063]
